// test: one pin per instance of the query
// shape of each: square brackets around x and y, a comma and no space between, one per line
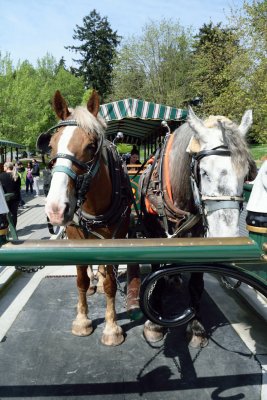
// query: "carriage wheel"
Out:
[150,308]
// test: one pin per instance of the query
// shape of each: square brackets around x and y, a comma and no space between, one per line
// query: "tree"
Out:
[26,94]
[251,65]
[97,50]
[155,66]
[215,49]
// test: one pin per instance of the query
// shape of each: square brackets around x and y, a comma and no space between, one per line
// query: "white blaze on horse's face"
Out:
[60,205]
[218,178]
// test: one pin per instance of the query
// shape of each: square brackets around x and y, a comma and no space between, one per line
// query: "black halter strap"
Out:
[216,151]
[213,203]
[65,122]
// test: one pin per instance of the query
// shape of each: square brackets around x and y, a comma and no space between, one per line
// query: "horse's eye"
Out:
[90,147]
[204,174]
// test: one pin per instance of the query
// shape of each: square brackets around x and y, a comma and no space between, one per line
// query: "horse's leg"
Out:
[196,333]
[82,326]
[153,332]
[113,333]
[91,276]
[100,275]
[133,289]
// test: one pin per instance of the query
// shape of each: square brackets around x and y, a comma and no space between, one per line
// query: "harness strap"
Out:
[213,152]
[166,167]
[191,221]
[66,170]
[66,122]
[221,198]
[158,195]
[121,192]
[214,205]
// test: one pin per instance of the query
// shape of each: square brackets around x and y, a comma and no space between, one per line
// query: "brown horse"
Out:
[89,194]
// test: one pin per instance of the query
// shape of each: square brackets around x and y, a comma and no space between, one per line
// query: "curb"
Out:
[9,273]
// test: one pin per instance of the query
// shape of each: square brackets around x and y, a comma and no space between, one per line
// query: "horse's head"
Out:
[220,163]
[75,152]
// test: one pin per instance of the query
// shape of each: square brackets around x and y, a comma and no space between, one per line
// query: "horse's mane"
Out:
[88,121]
[179,162]
[236,143]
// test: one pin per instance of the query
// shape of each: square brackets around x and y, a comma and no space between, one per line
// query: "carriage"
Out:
[239,258]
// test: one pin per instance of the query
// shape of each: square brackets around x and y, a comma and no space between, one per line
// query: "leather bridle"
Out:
[91,167]
[208,204]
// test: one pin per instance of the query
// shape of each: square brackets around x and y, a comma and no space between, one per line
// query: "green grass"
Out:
[258,151]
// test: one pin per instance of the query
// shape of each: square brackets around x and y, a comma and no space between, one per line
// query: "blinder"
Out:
[43,140]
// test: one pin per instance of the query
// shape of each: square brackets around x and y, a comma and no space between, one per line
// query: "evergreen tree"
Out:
[97,50]
[215,48]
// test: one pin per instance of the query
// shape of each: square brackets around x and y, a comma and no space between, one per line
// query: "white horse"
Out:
[198,180]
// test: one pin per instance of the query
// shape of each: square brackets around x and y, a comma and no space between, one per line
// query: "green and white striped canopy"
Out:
[8,143]
[139,120]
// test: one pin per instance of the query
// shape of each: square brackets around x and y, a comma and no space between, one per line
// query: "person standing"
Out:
[22,174]
[29,178]
[36,176]
[47,176]
[11,184]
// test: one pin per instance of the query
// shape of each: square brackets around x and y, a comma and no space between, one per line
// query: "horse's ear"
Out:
[246,122]
[93,103]
[193,146]
[60,106]
[195,123]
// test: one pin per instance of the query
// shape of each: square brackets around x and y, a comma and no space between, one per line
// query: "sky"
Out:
[30,29]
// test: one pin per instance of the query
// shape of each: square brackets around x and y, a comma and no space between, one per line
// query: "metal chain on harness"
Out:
[29,270]
[119,286]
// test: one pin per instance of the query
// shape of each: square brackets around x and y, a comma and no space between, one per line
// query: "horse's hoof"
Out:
[113,338]
[153,333]
[82,327]
[198,342]
[196,334]
[91,290]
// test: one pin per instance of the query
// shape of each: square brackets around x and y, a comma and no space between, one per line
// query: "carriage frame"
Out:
[244,258]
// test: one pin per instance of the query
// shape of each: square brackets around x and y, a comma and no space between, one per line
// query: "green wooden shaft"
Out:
[125,251]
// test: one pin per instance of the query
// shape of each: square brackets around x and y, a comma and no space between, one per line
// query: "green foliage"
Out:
[251,27]
[86,96]
[25,97]
[215,48]
[259,152]
[124,148]
[156,65]
[225,65]
[97,49]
